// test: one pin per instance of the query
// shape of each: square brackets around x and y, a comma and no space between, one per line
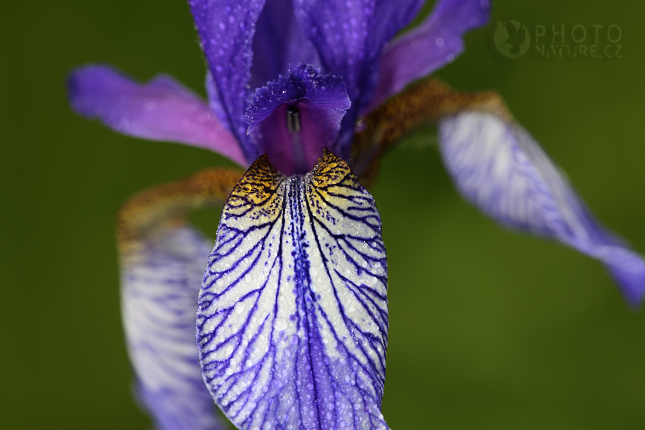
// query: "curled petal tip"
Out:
[501,169]
[628,270]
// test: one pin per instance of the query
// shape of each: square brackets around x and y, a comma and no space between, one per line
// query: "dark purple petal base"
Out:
[316,102]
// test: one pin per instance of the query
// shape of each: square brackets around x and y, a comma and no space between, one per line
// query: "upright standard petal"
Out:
[279,45]
[349,36]
[292,317]
[226,29]
[498,166]
[160,285]
[295,117]
[435,42]
[162,109]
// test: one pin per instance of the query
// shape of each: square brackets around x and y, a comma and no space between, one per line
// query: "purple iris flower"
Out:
[292,313]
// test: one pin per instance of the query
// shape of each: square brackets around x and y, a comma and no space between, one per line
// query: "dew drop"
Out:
[239,308]
[280,324]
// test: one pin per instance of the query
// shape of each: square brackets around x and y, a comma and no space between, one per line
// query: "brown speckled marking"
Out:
[329,170]
[165,205]
[333,181]
[257,196]
[256,188]
[420,104]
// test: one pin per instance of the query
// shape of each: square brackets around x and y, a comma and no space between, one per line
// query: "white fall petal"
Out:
[292,319]
[500,168]
[160,285]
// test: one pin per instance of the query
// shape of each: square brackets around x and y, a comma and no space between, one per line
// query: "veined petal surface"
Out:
[160,285]
[434,43]
[292,317]
[498,166]
[161,109]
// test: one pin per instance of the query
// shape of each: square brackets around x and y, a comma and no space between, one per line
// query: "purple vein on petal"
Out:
[161,109]
[292,317]
[500,168]
[434,43]
[160,285]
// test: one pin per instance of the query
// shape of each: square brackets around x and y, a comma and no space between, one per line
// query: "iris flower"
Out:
[306,95]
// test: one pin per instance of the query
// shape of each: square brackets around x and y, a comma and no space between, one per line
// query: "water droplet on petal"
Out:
[239,308]
[280,324]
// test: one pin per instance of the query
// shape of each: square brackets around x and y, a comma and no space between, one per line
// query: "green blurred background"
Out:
[489,329]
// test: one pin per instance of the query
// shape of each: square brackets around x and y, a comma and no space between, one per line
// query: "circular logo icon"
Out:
[511,39]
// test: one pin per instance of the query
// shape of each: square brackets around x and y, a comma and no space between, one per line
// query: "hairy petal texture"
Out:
[162,109]
[316,104]
[160,285]
[226,29]
[498,166]
[292,318]
[434,43]
[349,36]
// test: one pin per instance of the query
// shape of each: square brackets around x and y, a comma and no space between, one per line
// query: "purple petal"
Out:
[214,101]
[500,168]
[292,318]
[278,44]
[160,285]
[349,36]
[162,109]
[317,103]
[226,29]
[434,43]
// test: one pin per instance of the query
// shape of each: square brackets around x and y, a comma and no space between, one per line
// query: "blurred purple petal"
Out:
[315,102]
[349,36]
[292,319]
[214,101]
[162,109]
[434,43]
[226,29]
[278,45]
[160,285]
[500,168]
